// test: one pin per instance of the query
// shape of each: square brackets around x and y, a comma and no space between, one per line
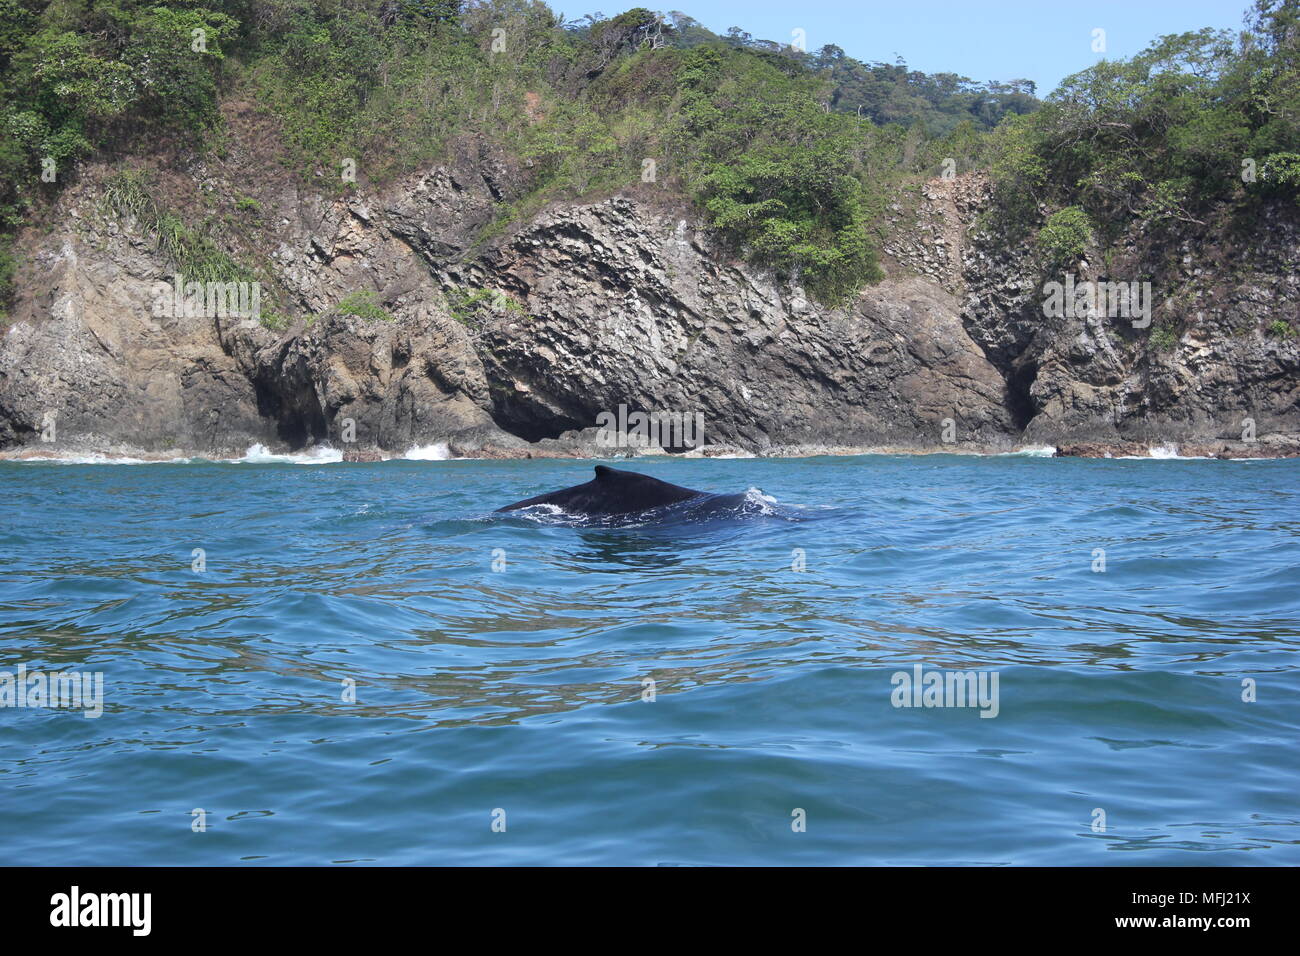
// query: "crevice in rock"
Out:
[1020,403]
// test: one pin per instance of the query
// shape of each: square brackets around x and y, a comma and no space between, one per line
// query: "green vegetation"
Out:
[1064,236]
[584,107]
[1195,119]
[194,254]
[77,76]
[7,266]
[1164,338]
[781,179]
[1281,329]
[364,305]
[1281,173]
[470,308]
[788,154]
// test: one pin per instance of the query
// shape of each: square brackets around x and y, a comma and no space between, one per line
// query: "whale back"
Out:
[613,491]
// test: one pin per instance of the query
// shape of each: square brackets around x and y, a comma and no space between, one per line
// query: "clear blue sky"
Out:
[1039,40]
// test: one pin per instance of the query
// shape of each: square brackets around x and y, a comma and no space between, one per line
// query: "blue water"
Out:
[521,690]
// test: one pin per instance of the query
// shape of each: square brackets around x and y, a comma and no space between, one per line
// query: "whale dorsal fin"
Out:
[613,491]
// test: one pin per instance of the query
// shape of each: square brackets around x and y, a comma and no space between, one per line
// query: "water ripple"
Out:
[371,663]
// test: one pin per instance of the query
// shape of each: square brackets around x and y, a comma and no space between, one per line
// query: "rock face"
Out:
[1201,366]
[88,351]
[84,362]
[628,306]
[513,347]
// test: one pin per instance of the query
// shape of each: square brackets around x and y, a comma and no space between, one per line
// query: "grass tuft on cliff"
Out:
[195,255]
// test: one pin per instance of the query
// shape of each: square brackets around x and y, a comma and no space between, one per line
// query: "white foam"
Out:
[764,503]
[545,513]
[1031,451]
[259,454]
[545,508]
[435,452]
[1166,452]
[256,454]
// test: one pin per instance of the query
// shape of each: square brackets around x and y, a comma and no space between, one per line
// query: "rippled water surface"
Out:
[521,689]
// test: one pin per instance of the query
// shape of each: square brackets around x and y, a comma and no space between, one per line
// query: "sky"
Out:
[1039,40]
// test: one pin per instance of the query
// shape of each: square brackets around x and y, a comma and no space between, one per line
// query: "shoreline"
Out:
[1276,448]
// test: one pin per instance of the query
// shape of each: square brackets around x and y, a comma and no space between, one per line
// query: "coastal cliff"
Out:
[632,215]
[516,345]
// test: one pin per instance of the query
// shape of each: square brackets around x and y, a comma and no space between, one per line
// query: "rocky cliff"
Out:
[514,344]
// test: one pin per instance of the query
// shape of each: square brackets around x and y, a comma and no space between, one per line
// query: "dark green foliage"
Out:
[783,179]
[891,93]
[1194,119]
[76,76]
[1064,237]
[1280,173]
[776,145]
[588,107]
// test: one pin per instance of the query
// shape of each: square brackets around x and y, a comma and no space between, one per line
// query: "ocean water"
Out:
[501,665]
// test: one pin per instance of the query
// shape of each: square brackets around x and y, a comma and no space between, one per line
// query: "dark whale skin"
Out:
[612,492]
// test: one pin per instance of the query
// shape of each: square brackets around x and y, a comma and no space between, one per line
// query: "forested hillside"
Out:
[788,154]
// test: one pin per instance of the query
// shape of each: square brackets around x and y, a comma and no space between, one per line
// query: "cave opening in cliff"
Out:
[298,418]
[532,421]
[1020,403]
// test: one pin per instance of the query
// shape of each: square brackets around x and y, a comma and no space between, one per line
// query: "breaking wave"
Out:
[258,454]
[435,452]
[1166,452]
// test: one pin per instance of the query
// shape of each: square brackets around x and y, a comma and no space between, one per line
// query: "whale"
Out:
[615,492]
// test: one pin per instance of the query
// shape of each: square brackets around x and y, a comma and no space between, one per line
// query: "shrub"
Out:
[470,308]
[1280,173]
[1065,236]
[194,253]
